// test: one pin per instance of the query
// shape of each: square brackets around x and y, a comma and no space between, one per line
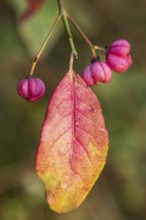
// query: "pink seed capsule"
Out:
[119,48]
[87,76]
[118,56]
[129,60]
[97,72]
[119,64]
[31,89]
[101,72]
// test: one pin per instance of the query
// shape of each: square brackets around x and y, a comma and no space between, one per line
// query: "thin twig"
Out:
[82,33]
[44,44]
[67,27]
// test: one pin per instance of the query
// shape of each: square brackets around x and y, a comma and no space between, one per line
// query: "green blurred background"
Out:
[120,192]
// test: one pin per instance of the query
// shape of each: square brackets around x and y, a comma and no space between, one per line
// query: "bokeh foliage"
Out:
[120,193]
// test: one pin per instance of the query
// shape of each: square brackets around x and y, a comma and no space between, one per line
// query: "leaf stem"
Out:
[67,27]
[71,62]
[44,44]
[82,33]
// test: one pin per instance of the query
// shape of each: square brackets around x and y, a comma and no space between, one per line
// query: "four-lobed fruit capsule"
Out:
[32,89]
[118,56]
[97,72]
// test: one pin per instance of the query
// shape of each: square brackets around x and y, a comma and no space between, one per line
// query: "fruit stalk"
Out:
[44,44]
[67,27]
[82,33]
[91,46]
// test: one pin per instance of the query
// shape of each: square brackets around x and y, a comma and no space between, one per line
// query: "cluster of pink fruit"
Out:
[118,59]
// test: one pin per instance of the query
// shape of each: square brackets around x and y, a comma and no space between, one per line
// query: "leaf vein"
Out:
[61,119]
[59,137]
[79,100]
[60,104]
[87,132]
[85,116]
[79,142]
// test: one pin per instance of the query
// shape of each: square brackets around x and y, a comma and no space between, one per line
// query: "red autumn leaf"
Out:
[73,145]
[33,6]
